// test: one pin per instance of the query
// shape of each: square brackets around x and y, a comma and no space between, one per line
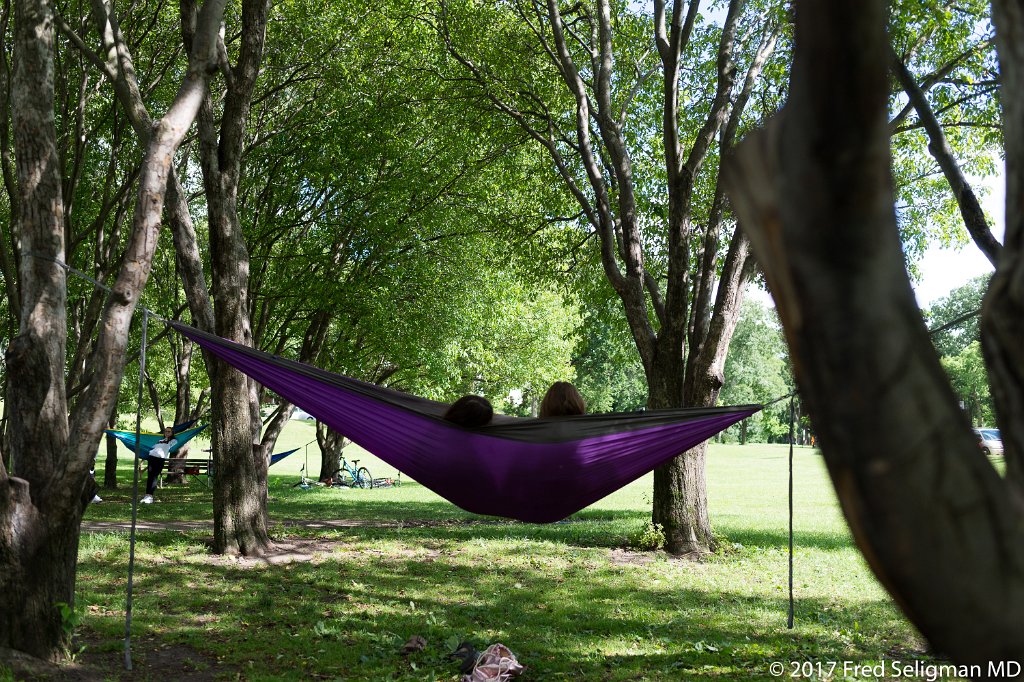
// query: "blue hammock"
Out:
[147,440]
[274,459]
[181,433]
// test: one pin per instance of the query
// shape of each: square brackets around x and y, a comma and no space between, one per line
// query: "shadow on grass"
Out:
[779,539]
[433,518]
[347,616]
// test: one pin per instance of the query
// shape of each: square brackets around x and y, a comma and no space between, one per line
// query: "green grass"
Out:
[564,597]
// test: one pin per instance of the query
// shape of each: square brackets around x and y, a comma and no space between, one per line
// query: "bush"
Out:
[649,538]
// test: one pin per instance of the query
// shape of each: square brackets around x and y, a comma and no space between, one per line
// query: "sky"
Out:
[944,269]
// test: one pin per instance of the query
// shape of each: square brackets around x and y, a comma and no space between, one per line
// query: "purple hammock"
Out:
[532,470]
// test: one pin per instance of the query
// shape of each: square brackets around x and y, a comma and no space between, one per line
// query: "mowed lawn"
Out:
[578,600]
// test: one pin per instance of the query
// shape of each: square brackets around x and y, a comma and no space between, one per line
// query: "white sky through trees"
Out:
[944,269]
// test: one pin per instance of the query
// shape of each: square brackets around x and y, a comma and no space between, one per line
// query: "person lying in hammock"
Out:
[470,411]
[562,400]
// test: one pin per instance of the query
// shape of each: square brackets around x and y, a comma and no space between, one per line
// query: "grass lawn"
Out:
[577,600]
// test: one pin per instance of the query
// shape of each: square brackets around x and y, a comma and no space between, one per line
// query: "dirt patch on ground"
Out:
[148,526]
[286,550]
[629,557]
[151,660]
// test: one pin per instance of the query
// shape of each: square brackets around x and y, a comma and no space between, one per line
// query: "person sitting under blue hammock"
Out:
[158,456]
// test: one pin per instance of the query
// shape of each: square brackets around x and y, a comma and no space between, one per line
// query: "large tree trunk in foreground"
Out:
[938,526]
[38,535]
[41,508]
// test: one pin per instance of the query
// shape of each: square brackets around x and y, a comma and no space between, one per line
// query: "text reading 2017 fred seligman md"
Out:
[895,669]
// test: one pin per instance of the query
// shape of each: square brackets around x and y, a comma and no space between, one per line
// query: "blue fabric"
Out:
[274,459]
[148,440]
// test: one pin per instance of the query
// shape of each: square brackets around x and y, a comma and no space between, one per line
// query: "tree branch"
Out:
[970,207]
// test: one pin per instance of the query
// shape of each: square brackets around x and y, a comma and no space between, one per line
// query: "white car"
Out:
[989,441]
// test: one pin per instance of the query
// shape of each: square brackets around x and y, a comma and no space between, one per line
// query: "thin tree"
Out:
[240,491]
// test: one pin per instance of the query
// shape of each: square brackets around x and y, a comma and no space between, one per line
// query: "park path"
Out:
[281,551]
[288,550]
[153,525]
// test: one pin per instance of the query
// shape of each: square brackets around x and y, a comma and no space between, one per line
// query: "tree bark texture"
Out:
[8,238]
[40,510]
[938,526]
[1002,315]
[38,522]
[331,446]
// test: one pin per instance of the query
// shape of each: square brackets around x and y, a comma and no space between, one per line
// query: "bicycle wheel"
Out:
[363,478]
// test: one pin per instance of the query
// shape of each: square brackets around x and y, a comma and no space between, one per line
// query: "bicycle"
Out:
[352,475]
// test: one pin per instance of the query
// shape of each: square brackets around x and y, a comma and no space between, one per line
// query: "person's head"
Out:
[470,411]
[562,400]
[168,432]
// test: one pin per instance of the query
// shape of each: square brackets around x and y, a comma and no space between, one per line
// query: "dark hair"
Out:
[470,411]
[562,400]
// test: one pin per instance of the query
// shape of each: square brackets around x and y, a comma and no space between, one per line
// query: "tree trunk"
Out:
[110,463]
[41,509]
[680,488]
[239,499]
[938,526]
[331,446]
[611,210]
[38,535]
[1002,315]
[240,488]
[181,351]
[182,379]
[681,503]
[37,573]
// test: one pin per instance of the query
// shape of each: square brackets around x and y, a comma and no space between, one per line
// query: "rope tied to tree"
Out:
[96,283]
